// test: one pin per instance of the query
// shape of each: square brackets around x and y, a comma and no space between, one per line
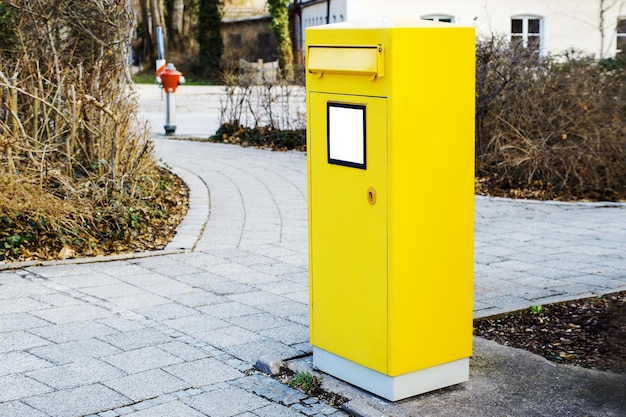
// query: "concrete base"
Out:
[389,387]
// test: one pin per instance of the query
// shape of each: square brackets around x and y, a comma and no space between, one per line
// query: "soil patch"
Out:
[590,332]
[491,185]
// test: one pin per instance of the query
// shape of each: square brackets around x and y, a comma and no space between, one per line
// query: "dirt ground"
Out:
[590,332]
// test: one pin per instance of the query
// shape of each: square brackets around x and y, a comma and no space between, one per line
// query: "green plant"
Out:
[262,136]
[13,241]
[11,244]
[208,36]
[147,78]
[165,164]
[280,25]
[538,310]
[8,37]
[616,63]
[306,382]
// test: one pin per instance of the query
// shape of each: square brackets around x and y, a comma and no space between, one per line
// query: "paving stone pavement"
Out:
[178,334]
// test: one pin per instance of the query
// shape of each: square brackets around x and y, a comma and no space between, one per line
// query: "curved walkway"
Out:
[526,252]
[178,334]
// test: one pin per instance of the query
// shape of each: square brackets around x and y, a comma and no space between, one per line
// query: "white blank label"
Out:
[346,135]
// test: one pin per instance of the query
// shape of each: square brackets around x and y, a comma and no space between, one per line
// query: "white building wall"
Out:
[566,24]
[316,13]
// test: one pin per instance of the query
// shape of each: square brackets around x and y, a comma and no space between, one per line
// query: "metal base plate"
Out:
[392,388]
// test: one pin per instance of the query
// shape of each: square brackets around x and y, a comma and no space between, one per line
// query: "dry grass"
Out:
[76,168]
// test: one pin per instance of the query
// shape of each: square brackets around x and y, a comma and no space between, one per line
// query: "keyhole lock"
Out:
[371,195]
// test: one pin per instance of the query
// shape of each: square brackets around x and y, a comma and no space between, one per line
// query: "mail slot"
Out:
[347,60]
[390,113]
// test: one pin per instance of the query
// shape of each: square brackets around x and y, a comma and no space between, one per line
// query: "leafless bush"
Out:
[555,124]
[275,104]
[67,127]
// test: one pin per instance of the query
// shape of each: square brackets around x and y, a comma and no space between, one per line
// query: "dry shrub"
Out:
[554,125]
[252,102]
[73,159]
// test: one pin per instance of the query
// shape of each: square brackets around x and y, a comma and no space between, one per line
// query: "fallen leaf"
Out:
[66,252]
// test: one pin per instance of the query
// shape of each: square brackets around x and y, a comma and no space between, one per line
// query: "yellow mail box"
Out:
[390,130]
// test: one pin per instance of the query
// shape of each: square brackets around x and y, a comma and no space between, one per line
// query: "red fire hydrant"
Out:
[170,79]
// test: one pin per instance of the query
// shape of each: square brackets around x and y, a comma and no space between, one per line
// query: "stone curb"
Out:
[358,408]
[96,259]
[269,364]
[564,204]
[190,229]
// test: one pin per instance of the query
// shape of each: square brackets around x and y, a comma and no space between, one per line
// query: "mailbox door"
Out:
[348,226]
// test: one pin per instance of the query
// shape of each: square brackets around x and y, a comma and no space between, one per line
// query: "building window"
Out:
[621,36]
[439,18]
[526,31]
[263,40]
[234,40]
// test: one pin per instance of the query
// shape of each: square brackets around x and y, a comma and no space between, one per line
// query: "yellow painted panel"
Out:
[431,200]
[348,239]
[341,83]
[345,60]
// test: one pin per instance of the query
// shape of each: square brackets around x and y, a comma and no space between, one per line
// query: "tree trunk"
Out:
[149,43]
[190,18]
[176,23]
[605,6]
[152,16]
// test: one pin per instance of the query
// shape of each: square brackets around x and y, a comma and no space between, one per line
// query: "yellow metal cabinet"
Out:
[390,116]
